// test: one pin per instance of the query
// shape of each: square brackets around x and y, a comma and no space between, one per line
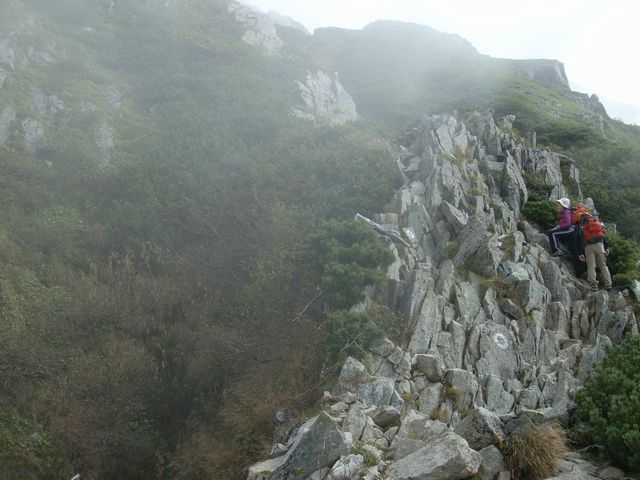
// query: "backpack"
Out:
[592,229]
[579,213]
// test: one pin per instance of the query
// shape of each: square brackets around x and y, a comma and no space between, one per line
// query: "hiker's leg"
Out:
[601,261]
[591,263]
[562,235]
[553,243]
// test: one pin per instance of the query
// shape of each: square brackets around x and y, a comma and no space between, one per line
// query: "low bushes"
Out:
[609,405]
[544,213]
[349,333]
[623,258]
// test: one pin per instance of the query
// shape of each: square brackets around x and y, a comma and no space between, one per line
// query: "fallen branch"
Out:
[298,317]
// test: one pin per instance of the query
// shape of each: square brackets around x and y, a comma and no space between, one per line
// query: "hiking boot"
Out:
[594,286]
[557,253]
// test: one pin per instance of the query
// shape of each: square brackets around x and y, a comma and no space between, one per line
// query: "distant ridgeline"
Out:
[164,166]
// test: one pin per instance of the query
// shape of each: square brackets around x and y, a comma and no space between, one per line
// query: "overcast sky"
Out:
[597,40]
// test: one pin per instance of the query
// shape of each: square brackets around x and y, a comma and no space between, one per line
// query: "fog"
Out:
[595,40]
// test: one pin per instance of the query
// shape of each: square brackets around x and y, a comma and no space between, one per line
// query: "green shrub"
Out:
[609,403]
[538,189]
[544,213]
[623,254]
[349,333]
[347,256]
[622,279]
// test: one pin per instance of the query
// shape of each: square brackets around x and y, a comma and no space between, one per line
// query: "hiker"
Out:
[579,212]
[594,249]
[564,229]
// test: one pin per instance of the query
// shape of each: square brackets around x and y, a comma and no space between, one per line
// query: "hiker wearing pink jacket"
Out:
[564,229]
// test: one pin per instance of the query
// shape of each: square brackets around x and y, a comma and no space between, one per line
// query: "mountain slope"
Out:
[397,71]
[157,199]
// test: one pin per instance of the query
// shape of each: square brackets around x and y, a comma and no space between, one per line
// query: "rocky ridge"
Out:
[325,100]
[500,331]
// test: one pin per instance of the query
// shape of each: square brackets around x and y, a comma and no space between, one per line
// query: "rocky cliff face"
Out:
[500,331]
[325,100]
[550,72]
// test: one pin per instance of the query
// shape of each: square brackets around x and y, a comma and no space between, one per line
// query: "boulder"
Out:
[492,463]
[497,351]
[415,431]
[456,218]
[352,374]
[263,470]
[480,428]
[355,421]
[430,398]
[497,399]
[346,468]
[431,365]
[317,446]
[376,392]
[462,387]
[445,457]
[385,416]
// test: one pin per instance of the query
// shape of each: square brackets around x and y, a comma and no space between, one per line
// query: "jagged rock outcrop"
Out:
[550,72]
[261,31]
[499,330]
[325,100]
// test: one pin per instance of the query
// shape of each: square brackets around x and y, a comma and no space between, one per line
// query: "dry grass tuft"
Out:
[532,451]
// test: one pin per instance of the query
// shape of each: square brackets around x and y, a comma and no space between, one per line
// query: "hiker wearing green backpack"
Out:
[594,249]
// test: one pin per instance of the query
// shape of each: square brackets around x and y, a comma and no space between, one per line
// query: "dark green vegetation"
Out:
[158,306]
[610,404]
[545,213]
[347,256]
[624,255]
[149,307]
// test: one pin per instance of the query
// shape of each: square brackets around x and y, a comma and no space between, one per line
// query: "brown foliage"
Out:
[286,378]
[97,410]
[532,451]
[205,456]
